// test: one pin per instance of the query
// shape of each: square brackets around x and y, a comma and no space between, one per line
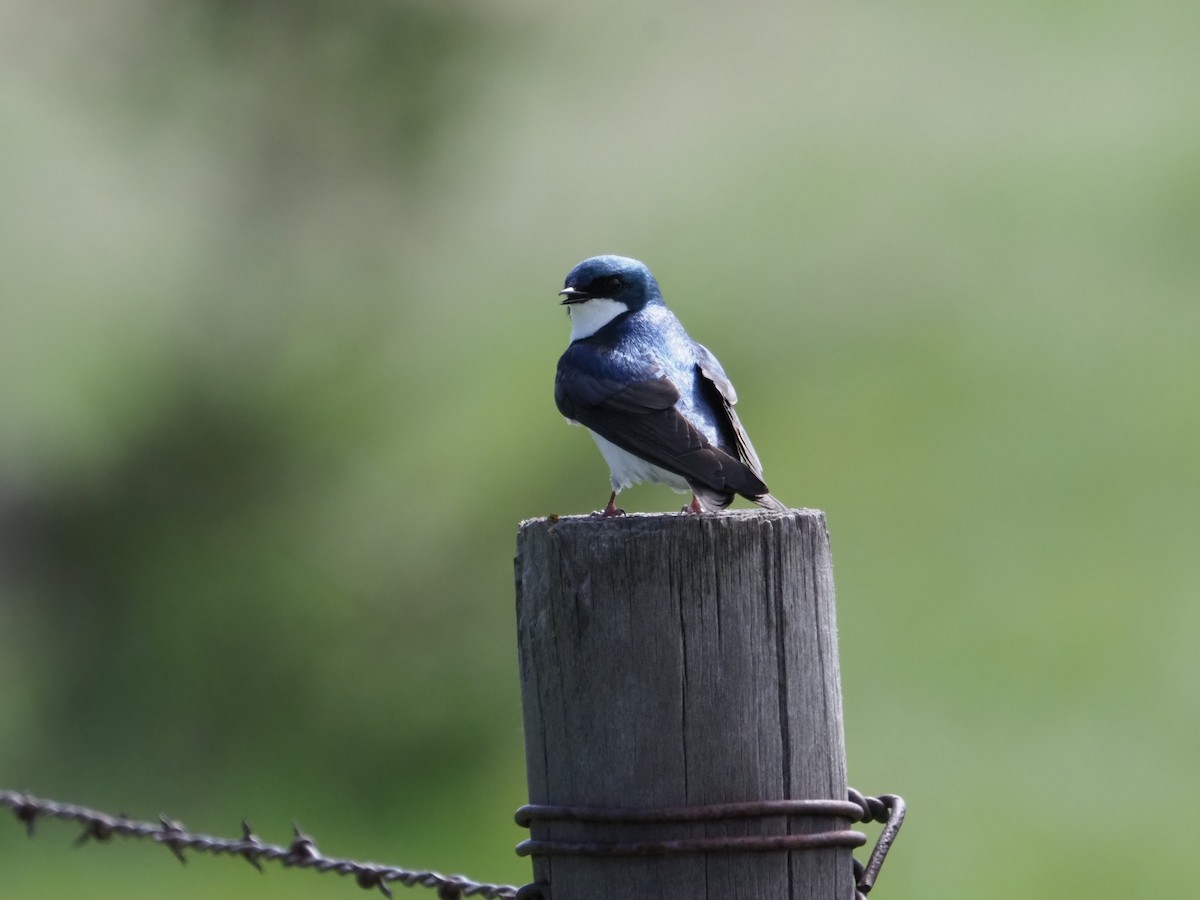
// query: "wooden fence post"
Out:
[675,660]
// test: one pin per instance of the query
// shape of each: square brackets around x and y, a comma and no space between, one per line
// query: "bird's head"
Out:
[601,288]
[613,278]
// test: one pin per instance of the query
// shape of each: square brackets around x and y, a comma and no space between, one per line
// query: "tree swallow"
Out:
[658,404]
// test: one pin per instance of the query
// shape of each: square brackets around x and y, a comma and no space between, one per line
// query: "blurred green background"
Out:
[278,329]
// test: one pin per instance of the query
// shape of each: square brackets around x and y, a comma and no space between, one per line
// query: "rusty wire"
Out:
[301,853]
[720,812]
[888,809]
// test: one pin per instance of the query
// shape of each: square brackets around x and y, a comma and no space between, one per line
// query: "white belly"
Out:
[627,469]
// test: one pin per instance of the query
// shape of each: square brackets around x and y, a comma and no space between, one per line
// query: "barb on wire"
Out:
[301,853]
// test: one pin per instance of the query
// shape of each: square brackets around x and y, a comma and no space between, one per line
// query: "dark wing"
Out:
[641,418]
[723,398]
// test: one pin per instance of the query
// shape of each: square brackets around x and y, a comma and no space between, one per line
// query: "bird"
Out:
[658,404]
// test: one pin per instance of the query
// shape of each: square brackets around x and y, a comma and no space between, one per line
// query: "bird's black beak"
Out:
[572,295]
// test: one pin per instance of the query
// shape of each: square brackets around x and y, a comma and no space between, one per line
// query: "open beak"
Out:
[571,295]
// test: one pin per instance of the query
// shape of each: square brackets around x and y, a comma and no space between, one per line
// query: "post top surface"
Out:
[670,521]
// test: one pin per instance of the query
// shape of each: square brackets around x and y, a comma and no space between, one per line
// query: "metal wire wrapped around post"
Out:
[888,809]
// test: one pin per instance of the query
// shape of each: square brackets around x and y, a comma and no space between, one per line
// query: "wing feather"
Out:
[712,371]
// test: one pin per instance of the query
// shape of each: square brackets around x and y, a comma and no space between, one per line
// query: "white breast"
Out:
[590,316]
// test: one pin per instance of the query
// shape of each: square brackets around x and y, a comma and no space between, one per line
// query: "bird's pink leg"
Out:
[693,508]
[611,510]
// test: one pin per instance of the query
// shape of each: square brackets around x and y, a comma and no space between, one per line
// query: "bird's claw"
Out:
[611,511]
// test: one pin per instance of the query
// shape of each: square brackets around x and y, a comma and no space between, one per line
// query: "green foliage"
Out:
[277,339]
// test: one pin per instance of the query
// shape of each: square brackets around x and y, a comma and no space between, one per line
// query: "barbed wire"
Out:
[301,853]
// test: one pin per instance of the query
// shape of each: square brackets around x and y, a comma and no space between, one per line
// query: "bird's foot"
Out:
[610,511]
[693,508]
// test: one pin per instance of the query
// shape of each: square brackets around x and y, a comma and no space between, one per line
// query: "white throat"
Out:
[590,316]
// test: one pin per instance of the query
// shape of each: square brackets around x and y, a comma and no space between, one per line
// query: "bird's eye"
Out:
[612,283]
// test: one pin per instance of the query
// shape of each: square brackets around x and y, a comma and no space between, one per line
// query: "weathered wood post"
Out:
[680,661]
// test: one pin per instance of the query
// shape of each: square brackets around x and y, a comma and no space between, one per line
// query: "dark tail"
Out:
[767,501]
